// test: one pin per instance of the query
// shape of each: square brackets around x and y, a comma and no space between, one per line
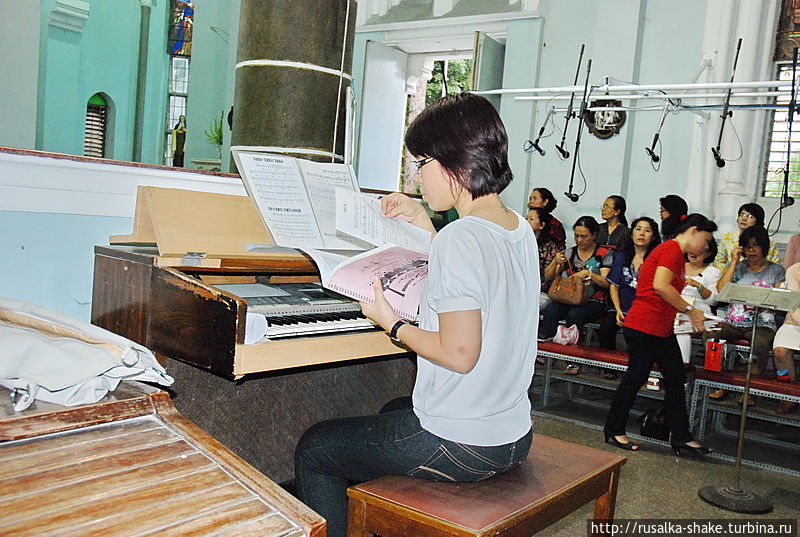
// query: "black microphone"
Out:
[572,197]
[538,148]
[719,159]
[787,201]
[653,156]
[564,152]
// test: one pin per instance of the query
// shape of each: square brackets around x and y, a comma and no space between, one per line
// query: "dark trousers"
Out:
[607,333]
[643,351]
[578,315]
[335,453]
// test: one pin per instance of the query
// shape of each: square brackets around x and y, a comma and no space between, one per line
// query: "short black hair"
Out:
[548,197]
[693,220]
[628,248]
[760,234]
[754,209]
[465,135]
[675,205]
[588,222]
[544,234]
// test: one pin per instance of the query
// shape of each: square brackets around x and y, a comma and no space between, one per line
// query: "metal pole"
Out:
[641,87]
[745,398]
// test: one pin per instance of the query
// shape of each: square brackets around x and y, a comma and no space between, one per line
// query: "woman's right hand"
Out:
[697,318]
[736,255]
[397,205]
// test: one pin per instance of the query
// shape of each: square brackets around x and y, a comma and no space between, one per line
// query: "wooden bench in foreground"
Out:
[132,465]
[556,479]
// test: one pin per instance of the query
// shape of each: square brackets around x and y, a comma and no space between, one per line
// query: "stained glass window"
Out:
[180,28]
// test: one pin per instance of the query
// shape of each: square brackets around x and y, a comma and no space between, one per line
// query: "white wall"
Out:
[19,58]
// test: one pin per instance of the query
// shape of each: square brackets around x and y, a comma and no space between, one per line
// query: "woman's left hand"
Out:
[379,310]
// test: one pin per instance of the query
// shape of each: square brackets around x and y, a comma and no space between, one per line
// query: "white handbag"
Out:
[55,358]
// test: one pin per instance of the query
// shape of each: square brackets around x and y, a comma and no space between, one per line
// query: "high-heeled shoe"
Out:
[699,451]
[612,439]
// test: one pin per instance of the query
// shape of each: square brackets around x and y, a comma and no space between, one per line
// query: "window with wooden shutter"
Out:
[94,140]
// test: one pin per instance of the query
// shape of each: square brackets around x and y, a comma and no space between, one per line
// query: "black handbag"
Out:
[654,424]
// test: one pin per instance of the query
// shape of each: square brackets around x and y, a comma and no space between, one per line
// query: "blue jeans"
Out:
[578,315]
[333,454]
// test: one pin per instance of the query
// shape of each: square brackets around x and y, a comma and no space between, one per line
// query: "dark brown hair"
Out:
[465,135]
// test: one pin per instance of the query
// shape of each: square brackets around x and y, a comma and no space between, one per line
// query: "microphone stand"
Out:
[786,199]
[584,104]
[726,111]
[570,111]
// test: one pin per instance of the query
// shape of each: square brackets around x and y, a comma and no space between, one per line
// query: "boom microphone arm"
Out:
[584,104]
[726,111]
[570,111]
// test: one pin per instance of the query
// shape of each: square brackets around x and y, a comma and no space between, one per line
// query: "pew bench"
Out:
[557,478]
[586,355]
[770,388]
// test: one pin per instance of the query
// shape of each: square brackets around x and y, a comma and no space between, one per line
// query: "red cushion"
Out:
[590,352]
[767,384]
[586,351]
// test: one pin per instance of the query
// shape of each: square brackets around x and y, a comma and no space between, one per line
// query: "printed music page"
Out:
[402,272]
[359,215]
[276,185]
[326,263]
[322,180]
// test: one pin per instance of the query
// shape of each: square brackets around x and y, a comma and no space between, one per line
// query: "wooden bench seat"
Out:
[556,479]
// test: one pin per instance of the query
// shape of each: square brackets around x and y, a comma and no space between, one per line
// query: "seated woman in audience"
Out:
[623,277]
[588,263]
[750,214]
[542,198]
[471,412]
[614,231]
[787,339]
[673,208]
[701,287]
[648,331]
[754,269]
[537,218]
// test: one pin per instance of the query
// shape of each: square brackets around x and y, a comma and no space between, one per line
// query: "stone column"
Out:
[289,95]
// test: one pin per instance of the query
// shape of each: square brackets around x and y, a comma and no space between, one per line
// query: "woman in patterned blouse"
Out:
[750,214]
[538,220]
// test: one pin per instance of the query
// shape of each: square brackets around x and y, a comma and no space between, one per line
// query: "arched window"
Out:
[94,140]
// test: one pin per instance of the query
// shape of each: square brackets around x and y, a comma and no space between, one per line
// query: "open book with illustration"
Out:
[319,209]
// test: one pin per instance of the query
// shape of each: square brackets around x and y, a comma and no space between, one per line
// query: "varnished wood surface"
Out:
[155,473]
[556,479]
[179,313]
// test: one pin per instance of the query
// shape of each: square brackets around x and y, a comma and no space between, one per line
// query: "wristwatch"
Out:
[687,309]
[395,327]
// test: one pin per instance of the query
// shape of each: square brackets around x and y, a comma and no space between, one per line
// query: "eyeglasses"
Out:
[421,162]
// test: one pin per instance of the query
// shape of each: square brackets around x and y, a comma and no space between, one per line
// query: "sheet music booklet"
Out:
[319,209]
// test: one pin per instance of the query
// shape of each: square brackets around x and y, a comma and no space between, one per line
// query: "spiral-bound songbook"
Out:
[402,273]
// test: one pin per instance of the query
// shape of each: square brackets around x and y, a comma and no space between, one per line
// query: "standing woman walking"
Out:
[471,412]
[649,334]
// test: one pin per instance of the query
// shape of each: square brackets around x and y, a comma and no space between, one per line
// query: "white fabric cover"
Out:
[51,357]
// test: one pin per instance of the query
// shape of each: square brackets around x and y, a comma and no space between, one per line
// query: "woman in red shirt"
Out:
[649,326]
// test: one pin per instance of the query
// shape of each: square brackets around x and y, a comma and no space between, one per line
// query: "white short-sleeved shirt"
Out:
[476,264]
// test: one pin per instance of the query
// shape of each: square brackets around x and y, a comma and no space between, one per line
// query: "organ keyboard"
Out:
[301,309]
[196,314]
